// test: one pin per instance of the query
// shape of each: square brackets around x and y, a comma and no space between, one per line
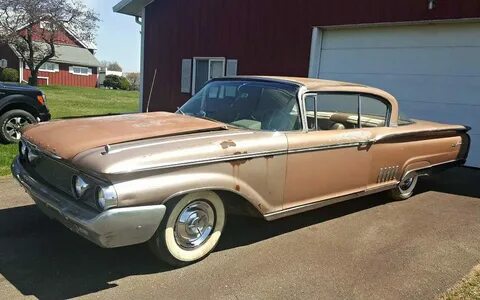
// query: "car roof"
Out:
[310,83]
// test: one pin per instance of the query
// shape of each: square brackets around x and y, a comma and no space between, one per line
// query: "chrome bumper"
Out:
[112,228]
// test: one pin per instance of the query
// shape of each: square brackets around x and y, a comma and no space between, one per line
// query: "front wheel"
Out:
[405,188]
[190,230]
[12,123]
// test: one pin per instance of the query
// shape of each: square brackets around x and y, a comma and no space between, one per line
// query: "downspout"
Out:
[141,21]
[20,70]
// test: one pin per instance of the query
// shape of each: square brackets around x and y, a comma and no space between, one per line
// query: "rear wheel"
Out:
[190,230]
[12,123]
[404,189]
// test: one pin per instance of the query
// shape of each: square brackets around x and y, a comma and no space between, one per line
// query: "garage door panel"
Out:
[418,61]
[474,154]
[436,89]
[444,113]
[434,35]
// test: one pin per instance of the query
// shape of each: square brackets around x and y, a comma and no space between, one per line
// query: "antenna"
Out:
[151,89]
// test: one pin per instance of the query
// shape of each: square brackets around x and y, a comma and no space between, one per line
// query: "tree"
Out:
[112,66]
[134,79]
[33,27]
[9,75]
[116,82]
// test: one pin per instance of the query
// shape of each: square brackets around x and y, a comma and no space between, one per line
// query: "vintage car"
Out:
[268,146]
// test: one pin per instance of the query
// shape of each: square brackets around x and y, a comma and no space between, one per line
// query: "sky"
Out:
[118,36]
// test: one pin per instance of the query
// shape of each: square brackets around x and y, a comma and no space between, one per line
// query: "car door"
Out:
[330,158]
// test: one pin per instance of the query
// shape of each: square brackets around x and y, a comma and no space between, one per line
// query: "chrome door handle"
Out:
[366,143]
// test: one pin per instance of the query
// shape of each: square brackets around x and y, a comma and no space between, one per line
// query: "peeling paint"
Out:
[227,144]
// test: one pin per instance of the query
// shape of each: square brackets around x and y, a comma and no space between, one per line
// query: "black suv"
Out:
[20,105]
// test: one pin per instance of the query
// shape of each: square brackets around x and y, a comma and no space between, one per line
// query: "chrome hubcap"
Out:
[14,126]
[406,184]
[194,224]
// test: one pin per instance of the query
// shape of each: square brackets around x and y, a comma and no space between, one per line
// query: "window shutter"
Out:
[89,71]
[231,67]
[70,69]
[186,81]
[57,68]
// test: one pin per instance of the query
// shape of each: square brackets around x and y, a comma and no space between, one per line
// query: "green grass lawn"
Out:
[73,102]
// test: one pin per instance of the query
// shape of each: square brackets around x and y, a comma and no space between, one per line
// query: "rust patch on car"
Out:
[237,163]
[237,187]
[239,153]
[227,144]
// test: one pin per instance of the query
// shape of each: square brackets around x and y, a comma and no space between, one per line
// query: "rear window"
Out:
[403,119]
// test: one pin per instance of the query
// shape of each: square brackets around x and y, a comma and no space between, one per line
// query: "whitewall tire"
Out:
[404,189]
[191,228]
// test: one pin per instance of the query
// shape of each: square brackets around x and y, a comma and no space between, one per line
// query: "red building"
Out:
[425,52]
[74,63]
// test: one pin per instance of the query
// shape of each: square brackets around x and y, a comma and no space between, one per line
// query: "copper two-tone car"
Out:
[269,146]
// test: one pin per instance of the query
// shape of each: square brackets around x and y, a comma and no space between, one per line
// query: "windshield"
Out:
[255,105]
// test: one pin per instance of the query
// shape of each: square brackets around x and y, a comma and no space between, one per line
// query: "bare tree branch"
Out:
[20,27]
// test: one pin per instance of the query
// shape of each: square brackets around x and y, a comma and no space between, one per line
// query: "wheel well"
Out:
[21,106]
[238,205]
[234,203]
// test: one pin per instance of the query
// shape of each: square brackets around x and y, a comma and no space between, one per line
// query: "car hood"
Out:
[67,138]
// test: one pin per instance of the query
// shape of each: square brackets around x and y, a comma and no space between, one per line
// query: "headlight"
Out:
[106,197]
[79,186]
[23,149]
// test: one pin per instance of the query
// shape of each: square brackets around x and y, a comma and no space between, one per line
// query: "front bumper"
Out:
[112,228]
[43,117]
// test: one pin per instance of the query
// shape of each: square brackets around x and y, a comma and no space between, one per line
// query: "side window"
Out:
[337,111]
[374,112]
[311,111]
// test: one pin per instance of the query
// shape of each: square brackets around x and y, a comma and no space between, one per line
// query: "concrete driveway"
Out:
[364,248]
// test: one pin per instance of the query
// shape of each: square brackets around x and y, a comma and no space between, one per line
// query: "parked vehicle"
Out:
[20,105]
[262,145]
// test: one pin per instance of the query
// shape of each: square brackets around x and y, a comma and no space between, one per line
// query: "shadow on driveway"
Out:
[42,258]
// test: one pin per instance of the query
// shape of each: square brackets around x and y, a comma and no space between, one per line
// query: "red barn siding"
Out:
[61,36]
[267,37]
[63,77]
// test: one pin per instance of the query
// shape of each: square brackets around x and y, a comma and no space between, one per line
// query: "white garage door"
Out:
[433,70]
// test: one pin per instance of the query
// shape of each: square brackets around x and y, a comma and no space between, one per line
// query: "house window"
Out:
[49,67]
[205,69]
[80,70]
[47,25]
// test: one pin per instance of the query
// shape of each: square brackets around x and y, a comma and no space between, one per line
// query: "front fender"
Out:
[159,189]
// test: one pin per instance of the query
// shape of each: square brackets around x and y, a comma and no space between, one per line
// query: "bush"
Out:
[9,75]
[116,82]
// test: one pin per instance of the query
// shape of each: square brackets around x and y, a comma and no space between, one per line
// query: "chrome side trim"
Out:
[459,161]
[326,147]
[242,157]
[211,160]
[311,206]
[387,174]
